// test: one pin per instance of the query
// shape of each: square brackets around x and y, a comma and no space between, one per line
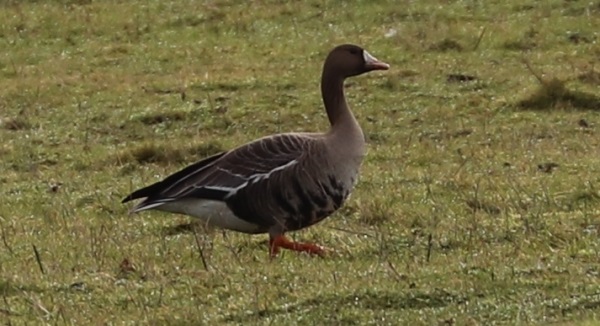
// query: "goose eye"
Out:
[354,51]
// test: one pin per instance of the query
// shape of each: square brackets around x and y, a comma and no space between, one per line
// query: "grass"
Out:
[479,200]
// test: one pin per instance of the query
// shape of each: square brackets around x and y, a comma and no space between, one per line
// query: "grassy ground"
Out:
[479,201]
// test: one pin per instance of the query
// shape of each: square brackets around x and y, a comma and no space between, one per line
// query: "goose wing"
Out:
[222,175]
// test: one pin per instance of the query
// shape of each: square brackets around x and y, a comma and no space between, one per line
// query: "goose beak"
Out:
[371,63]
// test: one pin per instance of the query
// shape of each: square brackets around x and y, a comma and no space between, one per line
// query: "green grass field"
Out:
[478,204]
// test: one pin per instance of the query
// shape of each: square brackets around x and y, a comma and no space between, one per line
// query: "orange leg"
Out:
[280,241]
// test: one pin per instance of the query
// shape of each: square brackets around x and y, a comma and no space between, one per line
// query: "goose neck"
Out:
[332,91]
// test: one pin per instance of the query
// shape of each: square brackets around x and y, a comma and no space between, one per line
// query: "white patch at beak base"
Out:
[373,63]
[368,57]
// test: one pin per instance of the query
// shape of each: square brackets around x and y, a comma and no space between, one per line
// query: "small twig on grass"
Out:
[533,72]
[86,136]
[257,300]
[100,201]
[183,93]
[38,259]
[210,102]
[131,299]
[429,246]
[160,296]
[230,248]
[235,253]
[200,250]
[5,241]
[295,24]
[61,313]
[96,240]
[7,311]
[399,277]
[14,66]
[479,38]
[36,303]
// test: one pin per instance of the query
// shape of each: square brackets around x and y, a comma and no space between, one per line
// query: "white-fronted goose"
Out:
[278,183]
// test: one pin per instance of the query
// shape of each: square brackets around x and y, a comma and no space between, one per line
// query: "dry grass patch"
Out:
[590,77]
[161,117]
[553,94]
[446,45]
[166,153]
[18,123]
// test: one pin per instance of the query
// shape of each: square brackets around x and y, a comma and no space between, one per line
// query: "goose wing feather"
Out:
[220,176]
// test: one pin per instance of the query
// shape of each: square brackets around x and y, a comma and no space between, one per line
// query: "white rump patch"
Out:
[212,212]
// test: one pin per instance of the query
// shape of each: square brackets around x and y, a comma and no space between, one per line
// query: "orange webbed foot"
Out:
[280,241]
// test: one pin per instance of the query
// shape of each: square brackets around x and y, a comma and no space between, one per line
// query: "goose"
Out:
[278,183]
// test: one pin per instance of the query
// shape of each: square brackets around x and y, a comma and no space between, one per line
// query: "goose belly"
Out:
[213,213]
[318,199]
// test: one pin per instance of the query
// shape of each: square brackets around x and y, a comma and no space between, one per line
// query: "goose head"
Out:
[351,60]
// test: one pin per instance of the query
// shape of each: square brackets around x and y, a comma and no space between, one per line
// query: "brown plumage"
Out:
[278,183]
